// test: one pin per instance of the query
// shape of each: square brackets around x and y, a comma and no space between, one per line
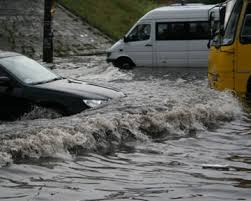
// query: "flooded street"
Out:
[170,138]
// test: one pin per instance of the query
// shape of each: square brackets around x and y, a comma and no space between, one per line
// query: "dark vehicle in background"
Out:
[25,83]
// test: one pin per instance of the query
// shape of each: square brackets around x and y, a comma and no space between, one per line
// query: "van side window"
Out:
[246,29]
[199,31]
[182,31]
[140,33]
[171,31]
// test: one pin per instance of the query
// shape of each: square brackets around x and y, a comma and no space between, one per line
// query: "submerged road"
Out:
[171,138]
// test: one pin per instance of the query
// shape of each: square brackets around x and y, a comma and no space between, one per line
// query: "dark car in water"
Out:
[25,83]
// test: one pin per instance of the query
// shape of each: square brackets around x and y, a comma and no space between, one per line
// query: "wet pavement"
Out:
[171,138]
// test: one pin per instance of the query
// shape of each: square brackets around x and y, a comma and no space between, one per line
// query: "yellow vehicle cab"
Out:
[230,49]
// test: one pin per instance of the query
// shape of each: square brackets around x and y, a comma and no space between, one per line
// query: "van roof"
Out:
[189,11]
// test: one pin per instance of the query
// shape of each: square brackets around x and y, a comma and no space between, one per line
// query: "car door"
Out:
[171,44]
[138,45]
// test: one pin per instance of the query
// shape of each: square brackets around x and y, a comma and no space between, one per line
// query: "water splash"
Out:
[155,109]
[5,159]
[41,113]
[101,132]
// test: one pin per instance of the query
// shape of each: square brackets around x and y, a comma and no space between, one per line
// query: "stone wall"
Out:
[21,30]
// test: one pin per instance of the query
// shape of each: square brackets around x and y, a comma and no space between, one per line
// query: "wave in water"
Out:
[104,132]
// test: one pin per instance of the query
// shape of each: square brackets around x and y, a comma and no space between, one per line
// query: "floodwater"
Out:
[171,138]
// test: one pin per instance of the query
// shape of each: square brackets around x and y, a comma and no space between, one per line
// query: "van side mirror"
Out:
[126,39]
[212,24]
[222,31]
[4,81]
[222,20]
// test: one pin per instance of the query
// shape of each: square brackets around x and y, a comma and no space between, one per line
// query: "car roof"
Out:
[4,54]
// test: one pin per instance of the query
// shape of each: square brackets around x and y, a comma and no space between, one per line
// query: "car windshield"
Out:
[28,70]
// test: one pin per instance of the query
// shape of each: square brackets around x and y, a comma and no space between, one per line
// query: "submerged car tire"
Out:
[124,63]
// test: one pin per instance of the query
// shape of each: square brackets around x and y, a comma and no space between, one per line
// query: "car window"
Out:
[27,70]
[140,33]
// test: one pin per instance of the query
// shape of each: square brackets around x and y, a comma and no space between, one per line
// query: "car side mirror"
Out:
[4,81]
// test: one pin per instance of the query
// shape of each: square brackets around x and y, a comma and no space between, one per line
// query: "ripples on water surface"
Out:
[171,138]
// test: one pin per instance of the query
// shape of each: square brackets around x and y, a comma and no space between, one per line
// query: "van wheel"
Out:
[124,63]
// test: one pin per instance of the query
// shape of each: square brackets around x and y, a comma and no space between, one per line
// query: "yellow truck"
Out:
[230,49]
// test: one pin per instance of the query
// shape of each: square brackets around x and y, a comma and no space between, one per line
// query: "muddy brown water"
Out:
[171,138]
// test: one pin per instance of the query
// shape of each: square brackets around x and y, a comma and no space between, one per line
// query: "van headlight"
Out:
[94,103]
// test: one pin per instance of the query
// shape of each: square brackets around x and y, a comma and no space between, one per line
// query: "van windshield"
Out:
[140,33]
[232,23]
[229,9]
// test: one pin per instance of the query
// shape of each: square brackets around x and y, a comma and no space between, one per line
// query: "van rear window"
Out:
[182,31]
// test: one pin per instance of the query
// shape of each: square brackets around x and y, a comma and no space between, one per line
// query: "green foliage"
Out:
[113,17]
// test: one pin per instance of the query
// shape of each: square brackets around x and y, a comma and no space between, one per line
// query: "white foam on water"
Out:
[153,109]
[5,159]
[99,132]
[40,113]
[96,69]
[54,143]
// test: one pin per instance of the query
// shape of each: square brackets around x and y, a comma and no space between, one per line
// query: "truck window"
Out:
[246,29]
[182,31]
[230,30]
[140,33]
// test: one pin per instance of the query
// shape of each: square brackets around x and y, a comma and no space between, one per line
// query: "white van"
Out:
[171,36]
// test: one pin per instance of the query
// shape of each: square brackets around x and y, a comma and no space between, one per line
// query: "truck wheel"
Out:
[124,63]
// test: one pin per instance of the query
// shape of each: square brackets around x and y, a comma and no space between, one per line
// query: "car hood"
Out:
[84,89]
